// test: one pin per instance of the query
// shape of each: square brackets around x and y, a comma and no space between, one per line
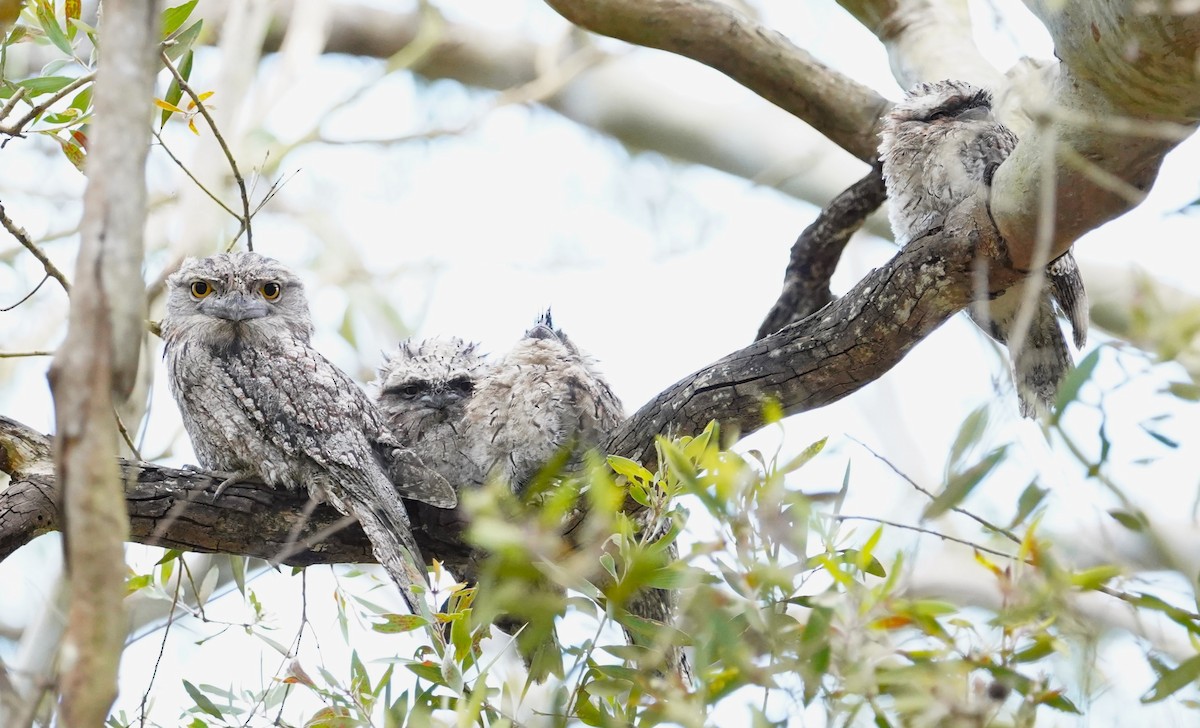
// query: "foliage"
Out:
[58,24]
[783,605]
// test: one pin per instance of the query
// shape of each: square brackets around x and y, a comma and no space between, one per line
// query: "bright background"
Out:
[655,267]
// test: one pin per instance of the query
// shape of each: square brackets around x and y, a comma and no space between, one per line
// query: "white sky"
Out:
[655,268]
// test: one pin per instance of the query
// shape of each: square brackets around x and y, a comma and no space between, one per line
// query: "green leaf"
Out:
[1055,699]
[202,701]
[809,453]
[428,672]
[970,432]
[1068,391]
[1030,498]
[174,92]
[237,564]
[44,85]
[772,411]
[1185,390]
[1173,680]
[961,484]
[50,26]
[866,554]
[631,469]
[184,41]
[1135,522]
[1043,645]
[173,18]
[676,576]
[136,583]
[399,623]
[1095,577]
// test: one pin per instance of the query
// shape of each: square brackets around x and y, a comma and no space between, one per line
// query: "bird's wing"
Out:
[1066,286]
[315,414]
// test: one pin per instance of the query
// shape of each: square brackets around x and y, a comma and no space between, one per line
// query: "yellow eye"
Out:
[200,289]
[271,290]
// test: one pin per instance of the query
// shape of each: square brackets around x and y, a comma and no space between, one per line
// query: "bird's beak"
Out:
[438,399]
[235,307]
[975,113]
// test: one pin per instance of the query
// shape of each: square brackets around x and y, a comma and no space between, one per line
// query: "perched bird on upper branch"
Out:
[940,146]
[258,400]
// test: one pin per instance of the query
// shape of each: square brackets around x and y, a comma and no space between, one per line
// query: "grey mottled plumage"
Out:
[941,146]
[422,390]
[544,395]
[257,399]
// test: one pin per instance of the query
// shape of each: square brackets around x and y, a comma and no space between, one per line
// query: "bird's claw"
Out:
[213,476]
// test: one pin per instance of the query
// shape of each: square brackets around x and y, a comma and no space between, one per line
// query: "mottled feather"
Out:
[256,398]
[940,146]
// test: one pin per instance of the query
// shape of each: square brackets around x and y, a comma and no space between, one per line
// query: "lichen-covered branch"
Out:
[837,350]
[816,253]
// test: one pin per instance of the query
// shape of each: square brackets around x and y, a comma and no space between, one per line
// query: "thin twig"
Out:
[237,176]
[19,127]
[162,647]
[316,538]
[19,354]
[927,532]
[12,102]
[23,238]
[125,435]
[192,177]
[962,511]
[27,296]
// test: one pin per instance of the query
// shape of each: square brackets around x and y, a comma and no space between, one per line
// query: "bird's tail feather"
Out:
[1042,362]
[386,524]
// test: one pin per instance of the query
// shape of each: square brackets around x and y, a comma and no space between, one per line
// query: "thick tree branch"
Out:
[926,40]
[809,364]
[175,509]
[837,350]
[750,137]
[1120,61]
[760,59]
[817,251]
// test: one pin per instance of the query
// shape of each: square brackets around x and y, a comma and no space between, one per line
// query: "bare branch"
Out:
[237,175]
[23,238]
[926,40]
[760,59]
[817,251]
[20,354]
[836,351]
